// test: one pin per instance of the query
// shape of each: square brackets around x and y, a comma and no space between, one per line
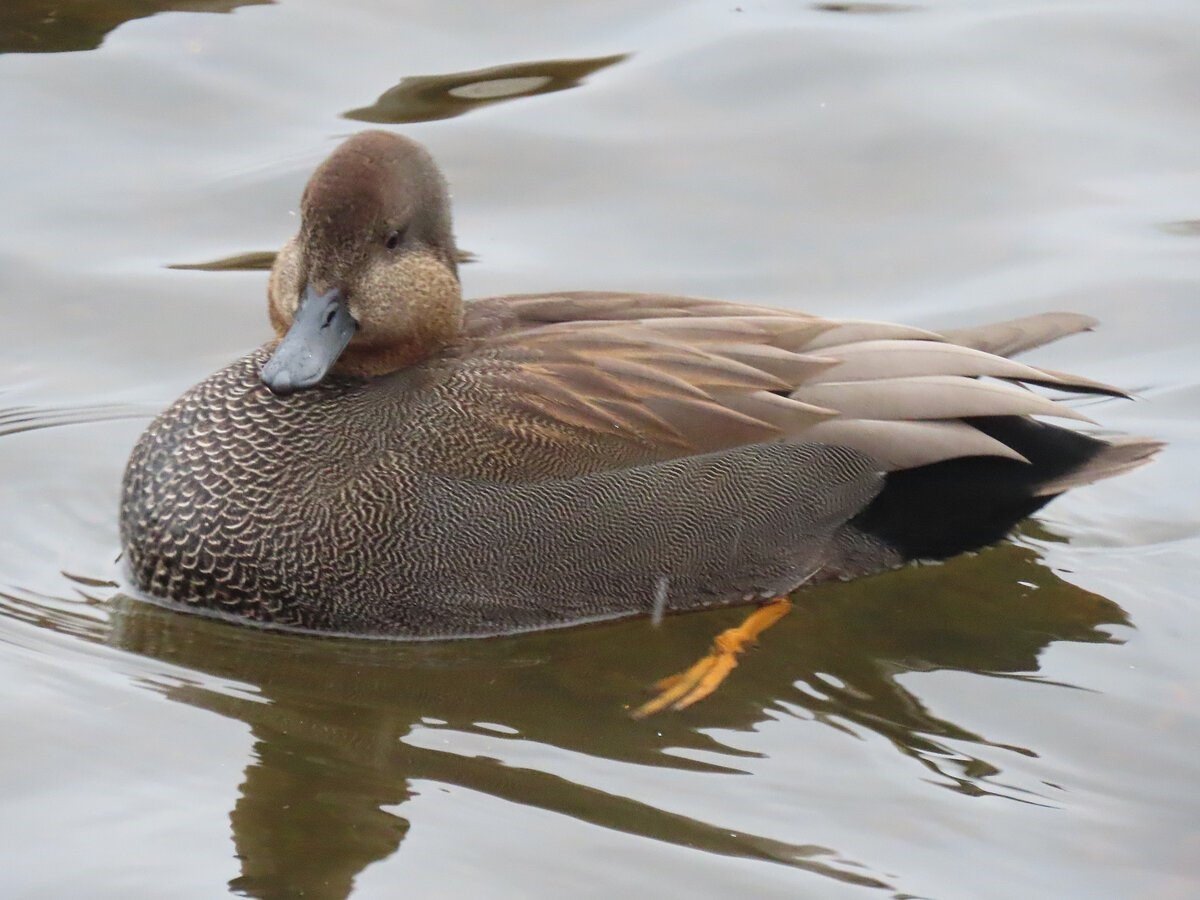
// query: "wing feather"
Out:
[674,376]
[906,445]
[931,397]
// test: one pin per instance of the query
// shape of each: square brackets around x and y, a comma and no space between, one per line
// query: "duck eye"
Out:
[392,241]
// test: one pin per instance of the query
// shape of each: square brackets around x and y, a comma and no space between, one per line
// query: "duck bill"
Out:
[321,329]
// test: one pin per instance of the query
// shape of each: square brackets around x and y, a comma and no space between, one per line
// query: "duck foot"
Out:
[681,690]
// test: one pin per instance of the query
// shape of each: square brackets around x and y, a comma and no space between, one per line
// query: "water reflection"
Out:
[16,419]
[424,98]
[261,261]
[1183,227]
[343,729]
[865,7]
[56,26]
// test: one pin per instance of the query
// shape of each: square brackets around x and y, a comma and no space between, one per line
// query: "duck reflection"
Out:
[344,728]
[56,26]
[425,98]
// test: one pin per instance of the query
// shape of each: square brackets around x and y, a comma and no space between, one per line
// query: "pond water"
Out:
[1022,722]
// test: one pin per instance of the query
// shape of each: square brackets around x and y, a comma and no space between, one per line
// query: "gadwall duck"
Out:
[402,463]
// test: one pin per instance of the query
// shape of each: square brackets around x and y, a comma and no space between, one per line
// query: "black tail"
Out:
[949,507]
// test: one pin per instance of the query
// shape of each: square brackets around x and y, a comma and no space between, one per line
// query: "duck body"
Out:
[405,506]
[401,464]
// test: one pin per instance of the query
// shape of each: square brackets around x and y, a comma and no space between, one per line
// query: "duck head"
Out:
[369,285]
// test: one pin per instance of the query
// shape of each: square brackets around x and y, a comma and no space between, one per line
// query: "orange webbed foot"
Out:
[681,690]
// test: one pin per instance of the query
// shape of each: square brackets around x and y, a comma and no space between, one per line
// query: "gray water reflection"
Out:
[342,729]
[57,26]
[425,98]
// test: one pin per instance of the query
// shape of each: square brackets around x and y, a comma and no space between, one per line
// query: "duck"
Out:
[400,463]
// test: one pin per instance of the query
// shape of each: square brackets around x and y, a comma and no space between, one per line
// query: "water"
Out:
[1024,722]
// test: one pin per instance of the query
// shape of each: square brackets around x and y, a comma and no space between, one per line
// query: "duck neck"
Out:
[376,361]
[430,319]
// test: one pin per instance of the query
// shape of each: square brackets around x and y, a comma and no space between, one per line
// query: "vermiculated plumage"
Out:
[540,460]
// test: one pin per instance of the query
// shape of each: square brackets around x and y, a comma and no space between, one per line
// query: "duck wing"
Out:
[681,376]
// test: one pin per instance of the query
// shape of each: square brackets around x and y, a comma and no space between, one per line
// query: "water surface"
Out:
[1022,722]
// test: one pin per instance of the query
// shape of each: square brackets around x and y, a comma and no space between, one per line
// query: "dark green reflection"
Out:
[424,98]
[54,26]
[330,717]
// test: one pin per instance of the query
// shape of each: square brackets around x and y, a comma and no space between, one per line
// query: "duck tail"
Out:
[1018,335]
[949,507]
[1115,456]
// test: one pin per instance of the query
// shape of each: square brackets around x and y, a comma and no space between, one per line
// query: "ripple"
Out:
[865,8]
[83,616]
[262,260]
[17,419]
[254,261]
[425,98]
[58,26]
[1183,227]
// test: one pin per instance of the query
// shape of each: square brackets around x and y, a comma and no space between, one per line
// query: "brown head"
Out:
[369,285]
